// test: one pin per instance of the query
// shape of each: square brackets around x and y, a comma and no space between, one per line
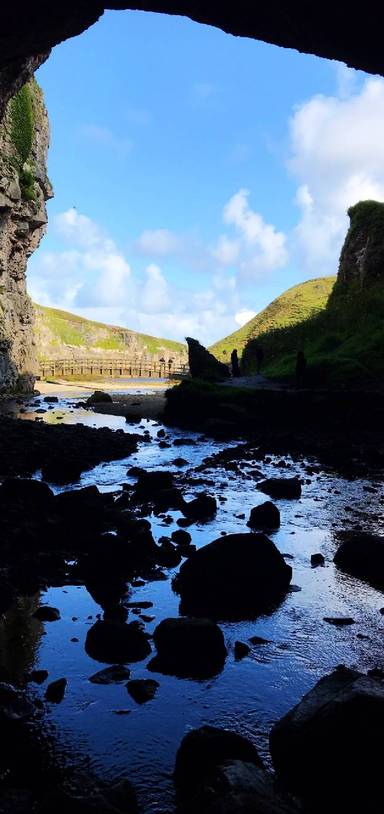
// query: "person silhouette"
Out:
[259,357]
[301,369]
[235,363]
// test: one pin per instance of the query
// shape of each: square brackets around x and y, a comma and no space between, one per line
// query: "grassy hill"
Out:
[294,306]
[61,334]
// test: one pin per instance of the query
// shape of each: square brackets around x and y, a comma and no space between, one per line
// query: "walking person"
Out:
[301,369]
[259,358]
[235,364]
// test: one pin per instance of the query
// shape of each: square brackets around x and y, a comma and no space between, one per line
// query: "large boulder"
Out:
[285,488]
[99,397]
[203,365]
[238,787]
[265,516]
[203,749]
[363,556]
[236,576]
[26,494]
[116,642]
[326,748]
[202,507]
[189,648]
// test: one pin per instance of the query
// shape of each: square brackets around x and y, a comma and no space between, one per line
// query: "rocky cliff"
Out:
[362,256]
[24,189]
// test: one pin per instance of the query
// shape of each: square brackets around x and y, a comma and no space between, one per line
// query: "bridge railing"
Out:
[112,368]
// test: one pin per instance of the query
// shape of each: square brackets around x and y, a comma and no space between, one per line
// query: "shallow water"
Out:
[248,695]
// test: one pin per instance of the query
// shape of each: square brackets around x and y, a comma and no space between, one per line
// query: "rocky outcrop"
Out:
[203,365]
[24,189]
[361,259]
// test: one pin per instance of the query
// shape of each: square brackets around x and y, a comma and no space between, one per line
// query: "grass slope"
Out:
[60,333]
[294,306]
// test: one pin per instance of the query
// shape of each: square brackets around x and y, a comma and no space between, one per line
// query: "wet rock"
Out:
[82,794]
[317,559]
[142,689]
[284,488]
[14,706]
[56,690]
[363,556]
[202,507]
[265,516]
[47,614]
[179,462]
[37,676]
[118,613]
[161,434]
[150,483]
[339,621]
[241,650]
[184,442]
[50,399]
[112,642]
[237,787]
[168,499]
[181,537]
[167,555]
[99,397]
[189,647]
[325,748]
[111,675]
[236,576]
[258,640]
[26,493]
[203,750]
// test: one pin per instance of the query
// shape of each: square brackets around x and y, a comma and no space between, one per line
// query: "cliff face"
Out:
[362,256]
[24,189]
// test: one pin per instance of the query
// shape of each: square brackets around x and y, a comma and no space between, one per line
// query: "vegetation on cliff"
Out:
[62,334]
[22,133]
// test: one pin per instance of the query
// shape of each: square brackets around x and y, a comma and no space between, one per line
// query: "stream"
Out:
[100,728]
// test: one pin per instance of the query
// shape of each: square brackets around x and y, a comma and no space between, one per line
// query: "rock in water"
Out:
[99,397]
[56,690]
[201,508]
[111,642]
[363,556]
[47,614]
[236,576]
[285,488]
[326,748]
[265,516]
[111,675]
[203,749]
[203,365]
[192,648]
[142,689]
[317,559]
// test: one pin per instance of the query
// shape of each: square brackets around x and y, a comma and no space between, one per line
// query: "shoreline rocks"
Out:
[188,647]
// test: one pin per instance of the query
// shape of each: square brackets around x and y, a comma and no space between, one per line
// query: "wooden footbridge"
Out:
[94,368]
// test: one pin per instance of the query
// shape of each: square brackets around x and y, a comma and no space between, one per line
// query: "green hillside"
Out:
[294,306]
[61,334]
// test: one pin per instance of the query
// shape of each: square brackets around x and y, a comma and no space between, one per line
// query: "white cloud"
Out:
[243,316]
[155,294]
[263,247]
[337,157]
[158,243]
[227,251]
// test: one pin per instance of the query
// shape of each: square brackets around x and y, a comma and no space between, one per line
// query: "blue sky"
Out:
[197,175]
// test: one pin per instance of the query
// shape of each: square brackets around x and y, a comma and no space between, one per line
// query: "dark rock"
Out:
[363,556]
[184,442]
[265,516]
[241,650]
[56,690]
[50,399]
[167,555]
[189,647]
[37,676]
[258,640]
[201,508]
[203,750]
[47,614]
[236,787]
[116,642]
[317,559]
[99,397]
[285,488]
[26,492]
[150,483]
[179,462]
[111,675]
[202,363]
[181,537]
[236,576]
[142,689]
[339,621]
[325,748]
